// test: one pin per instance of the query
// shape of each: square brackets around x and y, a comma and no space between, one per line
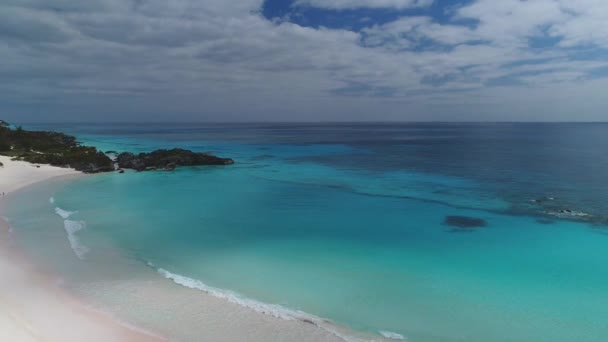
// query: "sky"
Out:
[303,60]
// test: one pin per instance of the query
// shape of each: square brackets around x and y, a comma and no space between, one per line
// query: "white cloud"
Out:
[511,22]
[515,21]
[586,23]
[407,32]
[225,58]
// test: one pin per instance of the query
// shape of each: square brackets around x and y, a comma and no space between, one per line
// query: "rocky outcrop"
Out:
[64,150]
[168,160]
[555,207]
[53,148]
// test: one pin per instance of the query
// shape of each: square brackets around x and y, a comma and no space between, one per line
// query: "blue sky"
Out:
[356,18]
[304,60]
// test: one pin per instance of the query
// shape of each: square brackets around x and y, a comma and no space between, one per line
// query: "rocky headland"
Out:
[59,149]
[168,160]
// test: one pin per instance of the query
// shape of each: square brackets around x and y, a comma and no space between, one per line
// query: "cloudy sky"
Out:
[304,60]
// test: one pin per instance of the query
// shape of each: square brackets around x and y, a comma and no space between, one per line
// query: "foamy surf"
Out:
[276,311]
[273,310]
[72,227]
[8,223]
[52,200]
[392,335]
[64,213]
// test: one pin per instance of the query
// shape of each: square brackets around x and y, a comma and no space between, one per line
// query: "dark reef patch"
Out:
[464,224]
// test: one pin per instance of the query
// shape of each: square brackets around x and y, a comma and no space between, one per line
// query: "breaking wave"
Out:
[72,228]
[392,335]
[64,213]
[273,310]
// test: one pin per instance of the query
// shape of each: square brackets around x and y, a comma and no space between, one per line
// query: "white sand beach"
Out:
[31,307]
[15,175]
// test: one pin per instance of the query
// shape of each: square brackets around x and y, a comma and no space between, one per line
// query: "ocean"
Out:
[430,232]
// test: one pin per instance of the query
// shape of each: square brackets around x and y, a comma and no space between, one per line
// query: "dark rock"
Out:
[168,160]
[573,214]
[53,148]
[125,158]
[170,166]
[58,149]
[121,171]
[464,223]
[308,320]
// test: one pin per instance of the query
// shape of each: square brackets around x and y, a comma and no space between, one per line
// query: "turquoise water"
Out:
[339,230]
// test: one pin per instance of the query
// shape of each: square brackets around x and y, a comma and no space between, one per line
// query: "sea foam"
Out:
[273,310]
[8,223]
[392,335]
[72,228]
[64,213]
[233,297]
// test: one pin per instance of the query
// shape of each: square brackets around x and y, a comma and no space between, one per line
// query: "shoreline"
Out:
[21,274]
[32,306]
[16,175]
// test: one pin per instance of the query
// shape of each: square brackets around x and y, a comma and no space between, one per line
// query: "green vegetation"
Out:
[58,149]
[52,148]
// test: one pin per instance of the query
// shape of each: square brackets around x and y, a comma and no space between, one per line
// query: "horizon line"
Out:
[306,122]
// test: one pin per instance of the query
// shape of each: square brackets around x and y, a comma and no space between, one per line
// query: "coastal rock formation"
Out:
[168,160]
[51,148]
[63,150]
[552,207]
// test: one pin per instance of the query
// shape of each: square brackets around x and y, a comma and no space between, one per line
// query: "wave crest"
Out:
[73,227]
[65,214]
[392,335]
[268,309]
[274,310]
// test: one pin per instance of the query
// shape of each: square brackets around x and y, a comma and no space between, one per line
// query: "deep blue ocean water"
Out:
[350,222]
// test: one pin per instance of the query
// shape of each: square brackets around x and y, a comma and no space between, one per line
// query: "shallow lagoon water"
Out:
[311,227]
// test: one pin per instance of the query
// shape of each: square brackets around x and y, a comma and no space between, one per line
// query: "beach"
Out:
[35,307]
[15,175]
[32,306]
